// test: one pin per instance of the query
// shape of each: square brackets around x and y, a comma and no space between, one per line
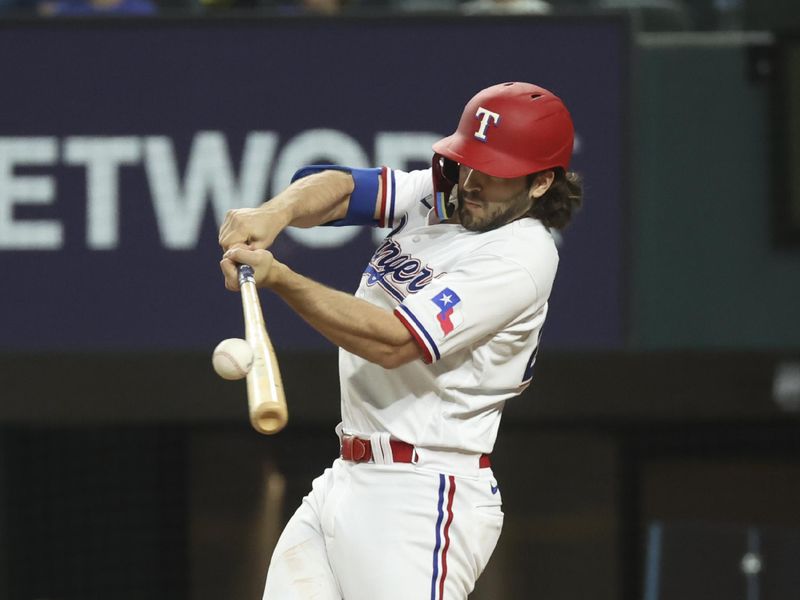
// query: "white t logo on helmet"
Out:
[485,115]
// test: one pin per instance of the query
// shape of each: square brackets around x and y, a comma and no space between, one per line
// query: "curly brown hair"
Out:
[565,196]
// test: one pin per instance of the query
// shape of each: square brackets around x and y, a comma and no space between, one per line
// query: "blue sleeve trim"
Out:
[361,210]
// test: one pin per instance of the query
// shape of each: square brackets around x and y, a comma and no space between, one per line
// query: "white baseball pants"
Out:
[388,532]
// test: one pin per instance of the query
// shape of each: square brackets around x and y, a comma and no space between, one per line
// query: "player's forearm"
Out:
[314,200]
[359,327]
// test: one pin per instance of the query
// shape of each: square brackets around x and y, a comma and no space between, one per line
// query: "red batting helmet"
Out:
[510,130]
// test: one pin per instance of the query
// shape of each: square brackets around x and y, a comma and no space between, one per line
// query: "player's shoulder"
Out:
[519,237]
[412,197]
[417,184]
[526,242]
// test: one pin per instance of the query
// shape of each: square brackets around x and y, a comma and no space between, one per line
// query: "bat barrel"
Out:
[268,420]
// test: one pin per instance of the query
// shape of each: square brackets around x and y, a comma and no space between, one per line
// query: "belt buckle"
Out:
[355,447]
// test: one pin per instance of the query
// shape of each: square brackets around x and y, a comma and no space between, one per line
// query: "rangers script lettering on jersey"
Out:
[397,273]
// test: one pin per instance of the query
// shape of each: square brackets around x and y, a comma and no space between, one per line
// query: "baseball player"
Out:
[444,328]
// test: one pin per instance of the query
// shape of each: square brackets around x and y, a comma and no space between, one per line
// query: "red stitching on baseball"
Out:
[234,362]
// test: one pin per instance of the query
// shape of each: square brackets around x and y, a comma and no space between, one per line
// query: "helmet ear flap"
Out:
[445,178]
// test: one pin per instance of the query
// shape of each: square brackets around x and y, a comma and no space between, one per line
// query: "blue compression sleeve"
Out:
[361,210]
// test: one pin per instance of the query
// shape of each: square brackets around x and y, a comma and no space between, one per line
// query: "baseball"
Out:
[232,358]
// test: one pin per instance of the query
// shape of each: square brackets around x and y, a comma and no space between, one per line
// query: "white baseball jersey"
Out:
[474,302]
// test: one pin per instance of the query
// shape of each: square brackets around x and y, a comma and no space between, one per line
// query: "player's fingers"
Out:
[231,273]
[234,229]
[243,255]
[260,260]
[224,229]
[246,226]
[230,238]
[238,246]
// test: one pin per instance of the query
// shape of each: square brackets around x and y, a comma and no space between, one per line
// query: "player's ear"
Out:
[541,183]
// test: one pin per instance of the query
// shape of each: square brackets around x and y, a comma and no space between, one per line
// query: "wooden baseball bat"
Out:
[265,398]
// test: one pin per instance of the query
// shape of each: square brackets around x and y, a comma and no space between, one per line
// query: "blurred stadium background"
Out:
[656,455]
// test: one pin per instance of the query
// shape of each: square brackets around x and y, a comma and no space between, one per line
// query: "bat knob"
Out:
[246,274]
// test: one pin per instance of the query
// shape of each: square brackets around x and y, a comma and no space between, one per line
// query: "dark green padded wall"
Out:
[705,273]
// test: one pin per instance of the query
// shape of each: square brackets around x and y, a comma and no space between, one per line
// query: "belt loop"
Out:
[388,454]
[339,432]
[381,449]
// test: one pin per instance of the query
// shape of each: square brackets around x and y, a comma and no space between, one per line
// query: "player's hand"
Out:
[255,228]
[265,267]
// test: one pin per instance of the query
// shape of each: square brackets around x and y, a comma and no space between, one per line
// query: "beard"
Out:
[491,215]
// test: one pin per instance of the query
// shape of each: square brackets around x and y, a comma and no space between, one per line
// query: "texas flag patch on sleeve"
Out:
[449,315]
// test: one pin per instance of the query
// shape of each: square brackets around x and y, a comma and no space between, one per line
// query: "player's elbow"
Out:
[388,361]
[391,345]
[391,357]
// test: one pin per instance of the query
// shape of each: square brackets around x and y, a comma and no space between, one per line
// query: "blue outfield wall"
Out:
[123,143]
